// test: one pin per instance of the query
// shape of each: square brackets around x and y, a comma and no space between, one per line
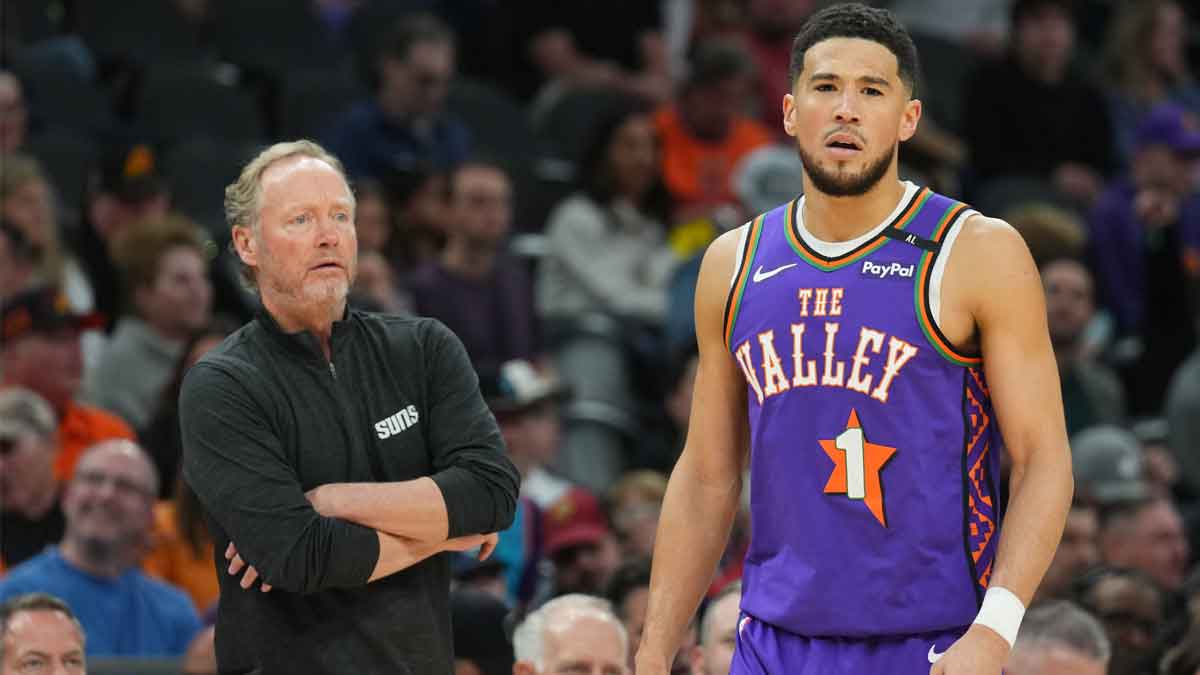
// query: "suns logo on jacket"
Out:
[396,422]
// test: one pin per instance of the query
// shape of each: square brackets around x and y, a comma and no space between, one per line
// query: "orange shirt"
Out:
[82,427]
[172,559]
[700,172]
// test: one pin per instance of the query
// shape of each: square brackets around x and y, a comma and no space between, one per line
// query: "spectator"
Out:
[487,577]
[1091,392]
[27,202]
[718,632]
[14,116]
[481,645]
[1130,606]
[600,310]
[30,513]
[181,548]
[1183,658]
[1183,420]
[1160,470]
[575,631]
[705,133]
[161,435]
[477,290]
[1077,552]
[772,25]
[1059,638]
[1145,246]
[1148,536]
[18,260]
[1108,466]
[164,268]
[39,633]
[635,501]
[580,544]
[1026,115]
[1145,64]
[405,127]
[201,655]
[108,512]
[127,188]
[980,26]
[616,45]
[1050,232]
[418,201]
[376,289]
[39,350]
[373,219]
[526,405]
[629,591]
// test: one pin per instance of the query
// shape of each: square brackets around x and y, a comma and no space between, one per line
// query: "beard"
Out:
[842,184]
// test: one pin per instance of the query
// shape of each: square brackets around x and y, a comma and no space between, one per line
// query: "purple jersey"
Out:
[874,447]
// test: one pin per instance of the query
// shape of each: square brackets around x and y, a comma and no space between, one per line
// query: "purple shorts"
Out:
[763,648]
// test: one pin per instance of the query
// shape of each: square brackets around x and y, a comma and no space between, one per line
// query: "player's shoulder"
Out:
[982,236]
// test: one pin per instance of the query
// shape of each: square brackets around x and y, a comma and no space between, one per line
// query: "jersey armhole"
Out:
[747,247]
[929,285]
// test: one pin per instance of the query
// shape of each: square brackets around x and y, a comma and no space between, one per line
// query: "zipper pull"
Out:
[332,370]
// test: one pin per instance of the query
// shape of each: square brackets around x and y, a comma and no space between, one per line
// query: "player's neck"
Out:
[843,218]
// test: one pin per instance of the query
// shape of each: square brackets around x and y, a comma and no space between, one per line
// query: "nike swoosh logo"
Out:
[760,275]
[933,654]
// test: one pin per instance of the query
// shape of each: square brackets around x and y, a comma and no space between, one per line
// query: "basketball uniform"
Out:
[874,447]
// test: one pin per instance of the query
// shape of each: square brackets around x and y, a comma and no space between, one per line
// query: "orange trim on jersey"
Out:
[924,312]
[826,264]
[734,304]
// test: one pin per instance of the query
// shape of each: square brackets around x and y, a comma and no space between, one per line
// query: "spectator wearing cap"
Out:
[108,505]
[40,350]
[165,271]
[1145,246]
[1077,552]
[27,203]
[580,543]
[526,403]
[14,116]
[30,516]
[481,645]
[1092,393]
[126,188]
[479,291]
[404,127]
[1108,465]
[1146,535]
[704,133]
[1026,115]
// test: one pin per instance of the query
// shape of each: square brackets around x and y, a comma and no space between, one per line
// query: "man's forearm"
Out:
[413,509]
[692,533]
[1040,497]
[399,553]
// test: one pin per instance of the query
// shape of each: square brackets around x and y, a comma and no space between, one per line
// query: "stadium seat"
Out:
[498,124]
[945,67]
[59,95]
[139,32]
[187,102]
[198,172]
[311,101]
[67,157]
[295,39]
[565,127]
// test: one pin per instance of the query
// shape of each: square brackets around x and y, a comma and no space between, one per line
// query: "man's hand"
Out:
[485,542]
[980,652]
[320,502]
[236,564]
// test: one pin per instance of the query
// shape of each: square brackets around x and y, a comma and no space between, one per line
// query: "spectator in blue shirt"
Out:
[404,126]
[95,570]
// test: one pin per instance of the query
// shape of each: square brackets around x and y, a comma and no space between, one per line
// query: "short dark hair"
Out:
[855,20]
[716,61]
[630,576]
[33,602]
[411,30]
[1023,8]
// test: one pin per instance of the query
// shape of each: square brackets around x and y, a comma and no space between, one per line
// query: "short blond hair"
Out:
[243,197]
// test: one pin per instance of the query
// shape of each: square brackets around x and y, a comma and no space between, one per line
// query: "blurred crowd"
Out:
[542,177]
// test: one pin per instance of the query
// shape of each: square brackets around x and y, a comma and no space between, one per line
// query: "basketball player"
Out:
[877,349]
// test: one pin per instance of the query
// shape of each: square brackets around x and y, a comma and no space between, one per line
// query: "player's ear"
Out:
[910,119]
[789,115]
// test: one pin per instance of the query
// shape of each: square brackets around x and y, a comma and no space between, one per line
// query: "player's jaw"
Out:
[841,167]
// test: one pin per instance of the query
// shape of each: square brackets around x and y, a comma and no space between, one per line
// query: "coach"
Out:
[336,452]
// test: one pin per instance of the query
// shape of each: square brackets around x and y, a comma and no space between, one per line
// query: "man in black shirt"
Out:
[336,452]
[30,517]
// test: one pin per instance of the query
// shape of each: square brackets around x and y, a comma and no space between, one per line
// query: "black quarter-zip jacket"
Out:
[265,417]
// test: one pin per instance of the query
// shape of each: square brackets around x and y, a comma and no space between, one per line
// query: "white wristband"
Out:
[1002,611]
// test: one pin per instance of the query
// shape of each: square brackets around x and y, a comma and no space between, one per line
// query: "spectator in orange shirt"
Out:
[706,132]
[39,350]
